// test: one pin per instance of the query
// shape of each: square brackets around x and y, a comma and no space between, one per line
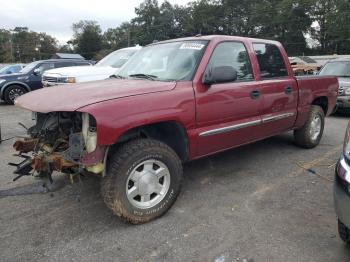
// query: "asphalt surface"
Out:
[254,203]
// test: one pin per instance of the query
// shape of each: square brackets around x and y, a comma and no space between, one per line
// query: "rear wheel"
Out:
[12,92]
[311,133]
[142,181]
[344,232]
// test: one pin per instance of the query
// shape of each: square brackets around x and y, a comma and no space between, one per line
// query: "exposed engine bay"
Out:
[60,141]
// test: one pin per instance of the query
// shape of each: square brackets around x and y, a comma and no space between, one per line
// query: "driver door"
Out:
[35,78]
[228,114]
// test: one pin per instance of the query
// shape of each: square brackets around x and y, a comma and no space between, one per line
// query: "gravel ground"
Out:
[254,203]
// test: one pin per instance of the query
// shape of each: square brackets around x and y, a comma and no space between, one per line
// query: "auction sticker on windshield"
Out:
[194,46]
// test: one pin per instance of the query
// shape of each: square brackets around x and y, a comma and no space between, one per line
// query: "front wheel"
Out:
[311,133]
[12,92]
[142,181]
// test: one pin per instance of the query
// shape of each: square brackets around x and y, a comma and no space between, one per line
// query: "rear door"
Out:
[279,89]
[228,114]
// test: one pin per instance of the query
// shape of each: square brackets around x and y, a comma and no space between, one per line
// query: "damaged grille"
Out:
[56,142]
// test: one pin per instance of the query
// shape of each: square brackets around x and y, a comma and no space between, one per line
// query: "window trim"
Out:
[250,62]
[271,78]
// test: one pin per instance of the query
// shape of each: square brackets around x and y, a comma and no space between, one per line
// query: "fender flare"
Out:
[14,83]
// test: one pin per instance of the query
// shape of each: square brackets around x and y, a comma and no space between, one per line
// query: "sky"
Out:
[56,17]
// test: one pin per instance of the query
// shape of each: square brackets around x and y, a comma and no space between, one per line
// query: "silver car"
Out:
[341,68]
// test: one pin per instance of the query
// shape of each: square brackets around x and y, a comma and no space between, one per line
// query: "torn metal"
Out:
[60,141]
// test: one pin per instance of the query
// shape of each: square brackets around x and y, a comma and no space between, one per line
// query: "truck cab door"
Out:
[279,89]
[227,113]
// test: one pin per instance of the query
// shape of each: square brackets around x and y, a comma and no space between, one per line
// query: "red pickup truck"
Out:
[174,101]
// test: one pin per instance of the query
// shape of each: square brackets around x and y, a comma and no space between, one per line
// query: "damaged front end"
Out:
[60,141]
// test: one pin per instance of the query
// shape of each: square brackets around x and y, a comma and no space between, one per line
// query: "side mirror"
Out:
[37,71]
[219,74]
[8,72]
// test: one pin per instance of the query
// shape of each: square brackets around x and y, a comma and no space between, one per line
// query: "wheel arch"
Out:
[3,88]
[171,133]
[322,102]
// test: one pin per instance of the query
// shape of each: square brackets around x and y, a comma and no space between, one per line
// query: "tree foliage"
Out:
[295,23]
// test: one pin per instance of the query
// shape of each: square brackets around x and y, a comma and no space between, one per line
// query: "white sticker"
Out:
[194,46]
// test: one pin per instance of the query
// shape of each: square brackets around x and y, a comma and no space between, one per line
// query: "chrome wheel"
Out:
[315,127]
[14,93]
[148,184]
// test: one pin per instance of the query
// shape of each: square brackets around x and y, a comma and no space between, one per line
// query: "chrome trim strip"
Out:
[277,117]
[246,124]
[230,128]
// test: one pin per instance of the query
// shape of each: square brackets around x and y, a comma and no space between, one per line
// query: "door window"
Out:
[233,54]
[270,61]
[63,64]
[46,66]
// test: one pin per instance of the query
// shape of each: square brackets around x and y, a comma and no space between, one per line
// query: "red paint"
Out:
[119,105]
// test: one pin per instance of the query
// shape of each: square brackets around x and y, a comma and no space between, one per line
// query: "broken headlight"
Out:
[347,143]
[89,132]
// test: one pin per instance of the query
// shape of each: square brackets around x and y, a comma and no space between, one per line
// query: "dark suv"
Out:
[29,78]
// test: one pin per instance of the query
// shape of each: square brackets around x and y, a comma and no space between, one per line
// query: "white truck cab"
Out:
[106,67]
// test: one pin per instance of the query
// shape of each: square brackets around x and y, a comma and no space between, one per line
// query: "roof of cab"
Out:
[219,38]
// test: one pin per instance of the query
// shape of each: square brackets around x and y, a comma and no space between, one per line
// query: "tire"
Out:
[135,166]
[344,232]
[309,136]
[12,92]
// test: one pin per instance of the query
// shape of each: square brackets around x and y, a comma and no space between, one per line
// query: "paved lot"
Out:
[250,204]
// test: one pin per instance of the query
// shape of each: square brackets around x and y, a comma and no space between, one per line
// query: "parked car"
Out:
[106,67]
[341,68]
[11,69]
[342,190]
[174,101]
[29,78]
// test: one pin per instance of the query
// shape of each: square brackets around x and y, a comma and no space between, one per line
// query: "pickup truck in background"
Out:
[106,67]
[173,102]
[340,68]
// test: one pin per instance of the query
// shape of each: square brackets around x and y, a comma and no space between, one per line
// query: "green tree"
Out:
[87,38]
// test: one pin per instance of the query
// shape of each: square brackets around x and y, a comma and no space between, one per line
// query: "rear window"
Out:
[270,61]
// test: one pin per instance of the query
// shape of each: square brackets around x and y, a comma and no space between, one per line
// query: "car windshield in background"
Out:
[165,62]
[340,69]
[29,67]
[117,58]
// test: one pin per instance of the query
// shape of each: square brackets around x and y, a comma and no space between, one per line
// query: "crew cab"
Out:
[174,101]
[29,78]
[106,67]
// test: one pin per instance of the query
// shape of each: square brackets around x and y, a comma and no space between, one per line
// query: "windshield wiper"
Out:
[117,76]
[145,76]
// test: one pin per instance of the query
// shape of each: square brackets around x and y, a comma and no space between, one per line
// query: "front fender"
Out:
[13,83]
[117,116]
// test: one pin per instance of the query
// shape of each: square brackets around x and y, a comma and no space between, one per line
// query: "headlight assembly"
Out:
[347,91]
[347,143]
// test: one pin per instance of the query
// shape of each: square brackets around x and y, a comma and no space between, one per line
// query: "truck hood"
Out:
[79,71]
[75,96]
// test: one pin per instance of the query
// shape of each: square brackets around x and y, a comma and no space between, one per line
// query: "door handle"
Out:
[288,90]
[255,94]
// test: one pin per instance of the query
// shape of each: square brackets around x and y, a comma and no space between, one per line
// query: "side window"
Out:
[270,61]
[63,64]
[46,66]
[233,54]
[81,63]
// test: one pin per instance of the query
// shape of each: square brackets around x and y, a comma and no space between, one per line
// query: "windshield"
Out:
[341,69]
[117,58]
[166,62]
[5,69]
[29,67]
